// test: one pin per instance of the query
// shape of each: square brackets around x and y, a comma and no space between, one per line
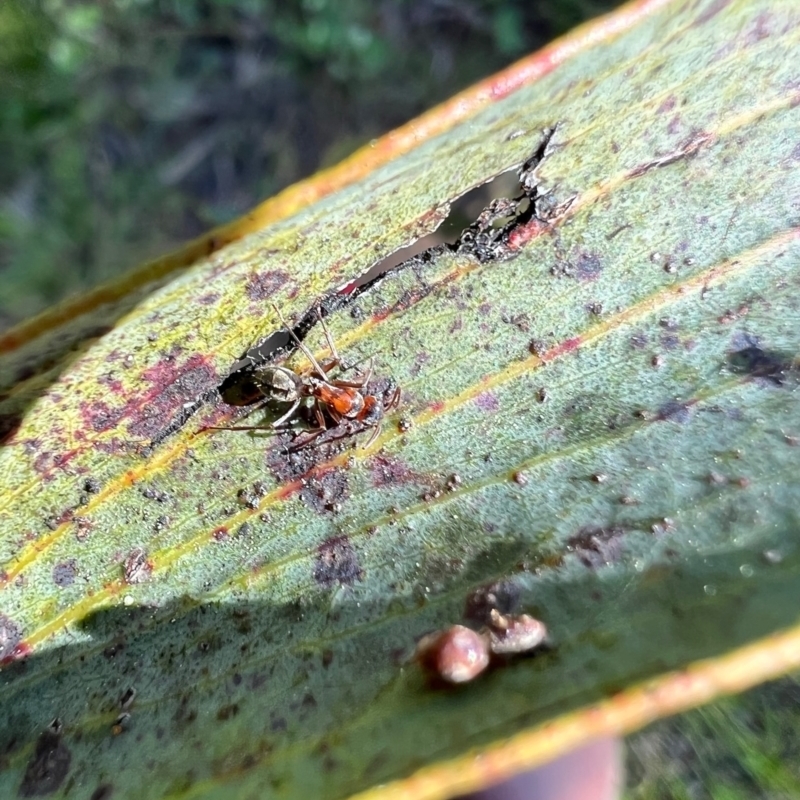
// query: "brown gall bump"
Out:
[456,655]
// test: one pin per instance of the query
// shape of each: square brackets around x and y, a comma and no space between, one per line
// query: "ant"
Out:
[345,402]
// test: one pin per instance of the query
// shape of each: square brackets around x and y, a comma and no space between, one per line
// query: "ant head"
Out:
[278,384]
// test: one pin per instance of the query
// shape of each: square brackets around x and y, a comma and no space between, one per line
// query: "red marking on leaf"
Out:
[101,417]
[113,384]
[566,346]
[288,489]
[173,386]
[47,462]
[220,534]
[523,234]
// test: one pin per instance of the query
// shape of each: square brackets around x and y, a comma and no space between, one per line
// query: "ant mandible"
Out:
[345,402]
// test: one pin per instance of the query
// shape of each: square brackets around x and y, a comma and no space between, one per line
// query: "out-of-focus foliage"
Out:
[129,126]
[741,748]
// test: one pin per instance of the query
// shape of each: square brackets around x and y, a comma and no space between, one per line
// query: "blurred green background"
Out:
[130,126]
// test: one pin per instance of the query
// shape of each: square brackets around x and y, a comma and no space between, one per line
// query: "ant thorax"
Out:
[278,384]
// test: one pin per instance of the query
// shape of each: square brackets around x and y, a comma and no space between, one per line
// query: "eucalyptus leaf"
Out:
[598,426]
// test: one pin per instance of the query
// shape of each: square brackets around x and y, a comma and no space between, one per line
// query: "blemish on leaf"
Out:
[227,712]
[667,104]
[10,637]
[567,346]
[99,416]
[262,285]
[689,147]
[325,491]
[173,386]
[220,534]
[486,401]
[669,341]
[587,266]
[48,766]
[768,365]
[711,11]
[420,360]
[102,792]
[136,568]
[91,485]
[503,596]
[596,546]
[64,573]
[389,471]
[336,563]
[674,411]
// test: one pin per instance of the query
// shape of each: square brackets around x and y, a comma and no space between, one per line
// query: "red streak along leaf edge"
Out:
[388,147]
[631,709]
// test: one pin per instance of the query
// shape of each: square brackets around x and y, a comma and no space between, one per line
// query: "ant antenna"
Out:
[309,355]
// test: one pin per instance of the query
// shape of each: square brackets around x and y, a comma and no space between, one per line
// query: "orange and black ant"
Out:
[346,403]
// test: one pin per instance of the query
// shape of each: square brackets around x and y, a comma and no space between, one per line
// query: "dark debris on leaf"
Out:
[769,365]
[49,764]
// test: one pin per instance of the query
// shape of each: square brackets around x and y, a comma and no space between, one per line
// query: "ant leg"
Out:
[336,358]
[361,382]
[375,432]
[307,438]
[309,355]
[278,422]
[236,428]
[320,417]
[394,400]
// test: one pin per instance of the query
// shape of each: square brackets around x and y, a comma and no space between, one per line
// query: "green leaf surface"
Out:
[601,426]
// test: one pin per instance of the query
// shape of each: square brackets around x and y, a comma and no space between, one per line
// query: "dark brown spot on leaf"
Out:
[597,547]
[64,573]
[674,411]
[48,765]
[336,562]
[769,365]
[502,596]
[262,285]
[327,491]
